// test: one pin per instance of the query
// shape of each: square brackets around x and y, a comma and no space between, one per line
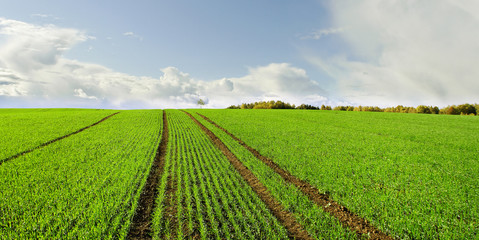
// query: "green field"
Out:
[84,186]
[411,176]
[23,129]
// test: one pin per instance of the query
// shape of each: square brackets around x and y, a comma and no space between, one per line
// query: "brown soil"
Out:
[140,226]
[56,139]
[295,230]
[348,219]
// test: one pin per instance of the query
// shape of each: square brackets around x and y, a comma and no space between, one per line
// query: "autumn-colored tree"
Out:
[452,110]
[466,109]
[423,109]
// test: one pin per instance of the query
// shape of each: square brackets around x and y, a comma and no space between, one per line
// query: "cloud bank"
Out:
[406,52]
[34,73]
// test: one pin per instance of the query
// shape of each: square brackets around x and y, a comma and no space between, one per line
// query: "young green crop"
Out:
[412,175]
[212,199]
[24,129]
[83,186]
[319,224]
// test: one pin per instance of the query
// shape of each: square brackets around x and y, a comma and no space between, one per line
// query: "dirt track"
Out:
[348,219]
[140,227]
[295,230]
[56,139]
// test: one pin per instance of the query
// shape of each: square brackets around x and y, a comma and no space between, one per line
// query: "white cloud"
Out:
[80,93]
[31,47]
[133,35]
[406,52]
[318,34]
[34,73]
[272,82]
[44,16]
[40,15]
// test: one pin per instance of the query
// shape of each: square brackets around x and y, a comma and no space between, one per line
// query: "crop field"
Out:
[237,174]
[24,129]
[209,197]
[412,176]
[83,186]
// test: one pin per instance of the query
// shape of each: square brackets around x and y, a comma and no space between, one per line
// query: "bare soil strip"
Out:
[56,139]
[347,218]
[140,226]
[295,230]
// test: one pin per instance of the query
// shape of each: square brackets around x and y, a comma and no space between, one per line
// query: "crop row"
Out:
[84,186]
[312,217]
[412,176]
[210,198]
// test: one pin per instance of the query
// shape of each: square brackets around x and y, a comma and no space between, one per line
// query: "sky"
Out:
[169,54]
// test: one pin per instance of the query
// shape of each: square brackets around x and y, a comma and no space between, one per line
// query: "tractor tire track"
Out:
[348,219]
[295,230]
[55,140]
[140,226]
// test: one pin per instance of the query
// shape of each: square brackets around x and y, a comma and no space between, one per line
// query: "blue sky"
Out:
[156,54]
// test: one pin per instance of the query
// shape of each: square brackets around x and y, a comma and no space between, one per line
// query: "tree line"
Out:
[463,109]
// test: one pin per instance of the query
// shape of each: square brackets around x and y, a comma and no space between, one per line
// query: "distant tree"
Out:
[390,109]
[401,109]
[423,109]
[264,105]
[201,102]
[411,110]
[306,106]
[452,110]
[234,107]
[343,108]
[466,109]
[323,107]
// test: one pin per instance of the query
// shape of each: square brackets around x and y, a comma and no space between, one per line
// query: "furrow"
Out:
[347,218]
[295,230]
[140,226]
[56,139]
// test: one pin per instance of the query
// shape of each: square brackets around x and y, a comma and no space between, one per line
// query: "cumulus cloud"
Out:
[30,47]
[272,82]
[80,93]
[34,73]
[406,52]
